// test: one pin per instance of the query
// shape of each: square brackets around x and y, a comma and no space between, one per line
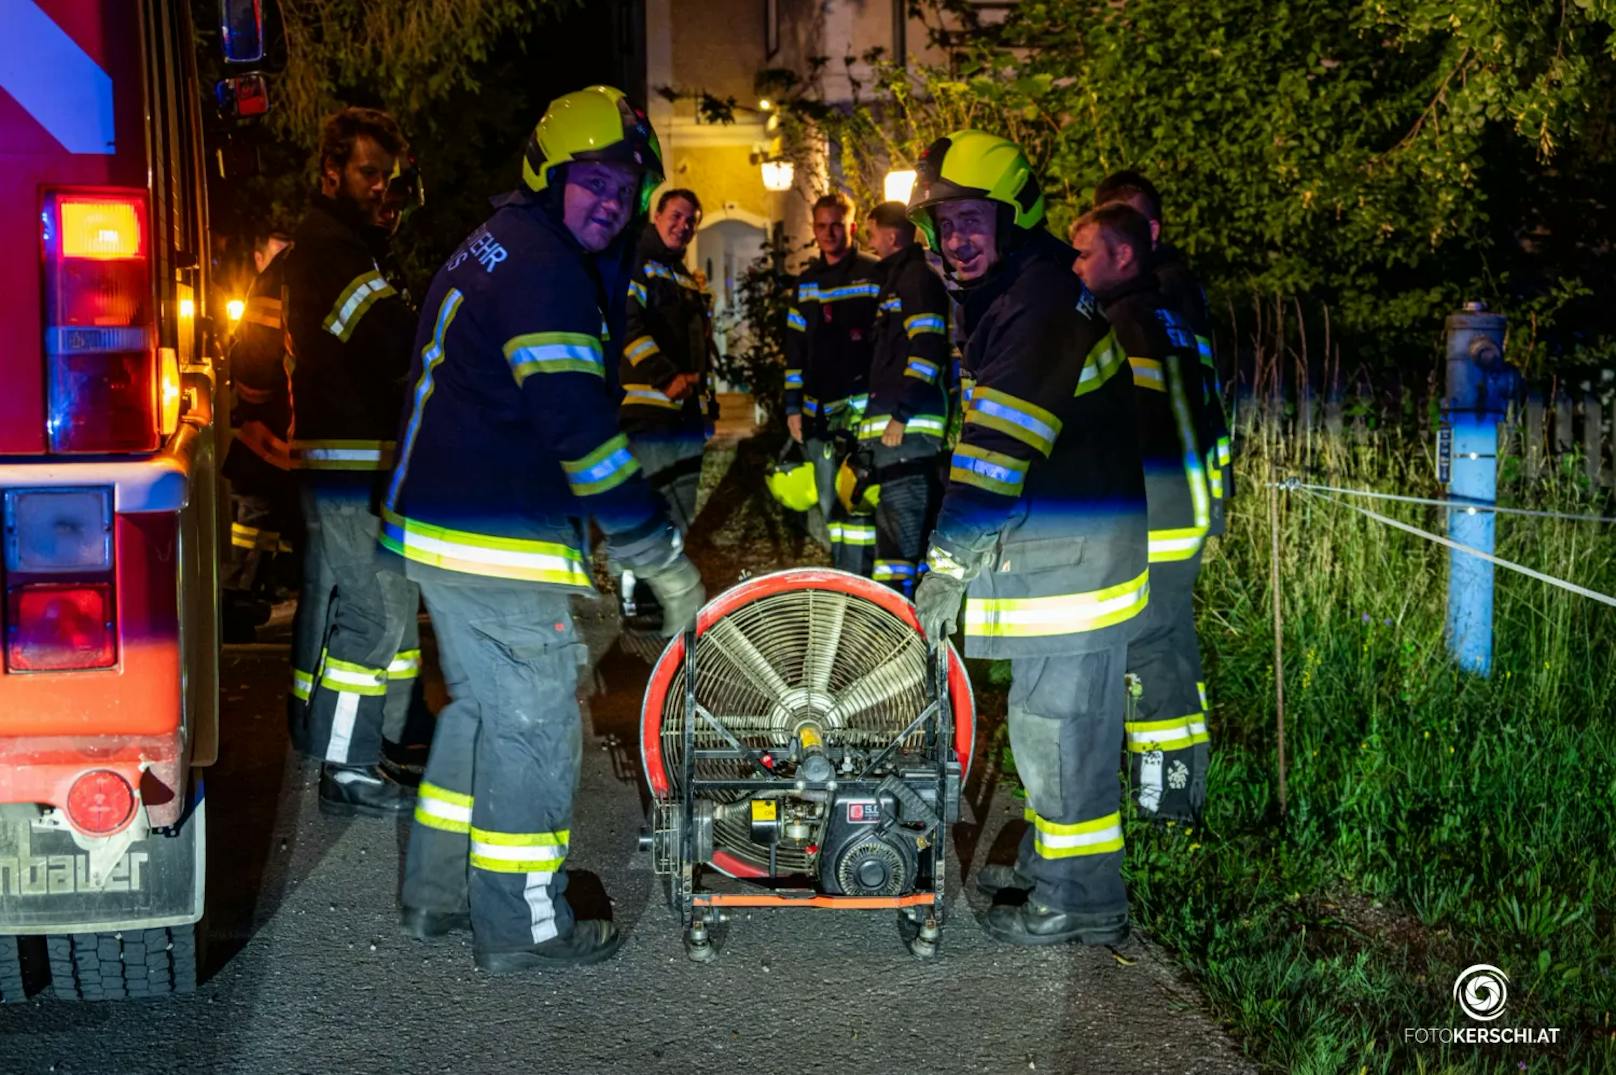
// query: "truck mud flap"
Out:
[45,880]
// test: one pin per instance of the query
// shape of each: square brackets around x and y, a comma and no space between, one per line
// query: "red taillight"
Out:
[54,627]
[100,326]
[100,802]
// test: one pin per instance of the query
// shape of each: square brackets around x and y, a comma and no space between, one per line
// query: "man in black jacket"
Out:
[830,328]
[665,352]
[907,415]
[1184,293]
[351,335]
[1167,741]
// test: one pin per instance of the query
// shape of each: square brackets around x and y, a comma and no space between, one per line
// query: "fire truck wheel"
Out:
[129,963]
[11,990]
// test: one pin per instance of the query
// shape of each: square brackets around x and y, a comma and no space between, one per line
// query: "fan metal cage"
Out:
[804,647]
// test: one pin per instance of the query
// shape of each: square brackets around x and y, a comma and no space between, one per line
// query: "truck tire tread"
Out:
[131,963]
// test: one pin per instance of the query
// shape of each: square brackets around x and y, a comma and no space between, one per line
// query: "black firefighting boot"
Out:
[591,941]
[362,791]
[424,925]
[1033,923]
[995,880]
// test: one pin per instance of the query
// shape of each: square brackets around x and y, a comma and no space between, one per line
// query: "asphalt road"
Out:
[307,971]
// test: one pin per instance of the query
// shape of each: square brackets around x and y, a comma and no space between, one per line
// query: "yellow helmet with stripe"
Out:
[974,164]
[791,479]
[594,124]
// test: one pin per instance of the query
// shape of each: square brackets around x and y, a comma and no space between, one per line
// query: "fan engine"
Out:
[805,747]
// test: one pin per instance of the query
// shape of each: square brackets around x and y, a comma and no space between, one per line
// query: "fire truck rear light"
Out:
[100,317]
[58,529]
[101,228]
[100,802]
[53,627]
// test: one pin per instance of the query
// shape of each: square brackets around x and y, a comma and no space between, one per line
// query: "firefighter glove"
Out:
[937,603]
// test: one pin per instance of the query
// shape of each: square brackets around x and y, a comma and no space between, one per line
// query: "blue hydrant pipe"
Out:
[1479,387]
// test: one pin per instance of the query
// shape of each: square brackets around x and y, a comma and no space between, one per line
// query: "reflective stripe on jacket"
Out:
[1184,294]
[667,332]
[1170,407]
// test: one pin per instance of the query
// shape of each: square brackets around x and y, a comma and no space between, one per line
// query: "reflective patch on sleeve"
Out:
[554,352]
[1027,422]
[603,469]
[362,292]
[641,348]
[922,323]
[795,321]
[992,471]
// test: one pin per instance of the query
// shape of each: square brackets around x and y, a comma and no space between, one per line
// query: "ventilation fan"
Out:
[804,747]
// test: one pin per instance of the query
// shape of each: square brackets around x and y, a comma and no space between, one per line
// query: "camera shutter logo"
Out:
[1481,991]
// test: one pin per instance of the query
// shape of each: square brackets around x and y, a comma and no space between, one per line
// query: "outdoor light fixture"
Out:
[778,174]
[764,104]
[898,185]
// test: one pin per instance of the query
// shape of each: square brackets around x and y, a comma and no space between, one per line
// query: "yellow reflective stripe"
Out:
[484,554]
[795,321]
[994,471]
[1174,733]
[362,292]
[431,355]
[1147,373]
[302,684]
[406,665]
[1200,688]
[1015,417]
[1224,454]
[518,852]
[921,323]
[1053,839]
[641,348]
[605,468]
[554,352]
[342,454]
[940,561]
[1169,546]
[851,534]
[893,569]
[251,537]
[263,310]
[439,808]
[646,396]
[636,291]
[1193,473]
[1103,360]
[1040,617]
[346,676]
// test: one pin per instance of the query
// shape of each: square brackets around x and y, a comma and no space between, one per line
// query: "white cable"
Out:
[1595,595]
[1456,503]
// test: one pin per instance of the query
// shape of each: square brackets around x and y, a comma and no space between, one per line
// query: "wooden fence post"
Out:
[1593,431]
[1532,451]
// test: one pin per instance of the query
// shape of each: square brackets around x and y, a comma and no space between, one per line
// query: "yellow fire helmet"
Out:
[597,123]
[974,164]
[858,494]
[791,479]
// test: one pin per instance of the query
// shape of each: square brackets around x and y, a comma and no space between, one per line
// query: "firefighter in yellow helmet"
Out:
[1041,534]
[509,447]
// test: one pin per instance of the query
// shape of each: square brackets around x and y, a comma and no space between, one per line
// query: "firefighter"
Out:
[830,329]
[665,358]
[907,413]
[510,445]
[350,333]
[257,461]
[1167,740]
[1043,525]
[1183,292]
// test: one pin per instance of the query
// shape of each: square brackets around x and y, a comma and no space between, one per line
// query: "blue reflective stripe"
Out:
[797,321]
[431,355]
[925,323]
[793,378]
[636,290]
[919,367]
[656,268]
[983,404]
[806,292]
[619,459]
[554,352]
[996,471]
[810,406]
[893,305]
[850,291]
[641,349]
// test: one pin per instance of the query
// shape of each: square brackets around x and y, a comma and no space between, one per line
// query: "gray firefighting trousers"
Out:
[910,490]
[1168,746]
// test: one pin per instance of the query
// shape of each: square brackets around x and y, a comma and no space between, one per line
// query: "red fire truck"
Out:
[108,488]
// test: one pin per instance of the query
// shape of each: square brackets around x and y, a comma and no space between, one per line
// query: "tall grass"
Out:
[1434,819]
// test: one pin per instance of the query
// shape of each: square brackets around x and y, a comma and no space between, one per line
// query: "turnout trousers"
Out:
[355,648]
[910,491]
[1167,741]
[1065,717]
[494,813]
[672,463]
[852,537]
